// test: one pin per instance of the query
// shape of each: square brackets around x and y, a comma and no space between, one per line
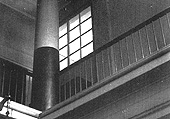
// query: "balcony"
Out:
[133,49]
[138,46]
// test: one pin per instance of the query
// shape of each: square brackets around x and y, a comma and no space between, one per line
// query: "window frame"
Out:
[67,34]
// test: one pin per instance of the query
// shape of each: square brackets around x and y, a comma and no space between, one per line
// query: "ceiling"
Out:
[28,7]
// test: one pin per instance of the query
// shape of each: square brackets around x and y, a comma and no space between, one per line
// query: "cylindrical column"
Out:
[45,88]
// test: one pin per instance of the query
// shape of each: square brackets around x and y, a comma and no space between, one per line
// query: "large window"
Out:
[75,38]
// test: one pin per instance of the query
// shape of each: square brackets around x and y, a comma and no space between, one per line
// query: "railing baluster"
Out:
[113,62]
[78,81]
[23,87]
[67,90]
[1,77]
[94,71]
[159,34]
[83,76]
[165,29]
[151,37]
[72,80]
[144,42]
[118,58]
[137,45]
[99,64]
[106,66]
[125,58]
[88,68]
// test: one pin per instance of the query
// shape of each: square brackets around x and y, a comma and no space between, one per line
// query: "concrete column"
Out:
[45,89]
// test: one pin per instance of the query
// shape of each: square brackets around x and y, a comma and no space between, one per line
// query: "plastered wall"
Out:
[114,17]
[16,37]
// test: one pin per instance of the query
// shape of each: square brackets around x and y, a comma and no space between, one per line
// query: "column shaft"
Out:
[45,88]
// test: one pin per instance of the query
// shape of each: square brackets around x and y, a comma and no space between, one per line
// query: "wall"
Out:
[114,17]
[16,37]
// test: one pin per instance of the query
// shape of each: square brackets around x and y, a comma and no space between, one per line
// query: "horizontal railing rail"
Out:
[144,41]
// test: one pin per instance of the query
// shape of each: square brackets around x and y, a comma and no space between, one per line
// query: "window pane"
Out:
[86,26]
[63,53]
[63,41]
[75,45]
[85,14]
[62,30]
[86,38]
[74,33]
[74,57]
[87,50]
[74,22]
[63,64]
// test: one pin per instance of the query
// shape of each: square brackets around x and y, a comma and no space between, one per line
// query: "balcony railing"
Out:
[15,81]
[135,47]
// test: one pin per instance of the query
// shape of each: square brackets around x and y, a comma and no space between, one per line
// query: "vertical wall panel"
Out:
[68,91]
[28,90]
[99,64]
[16,86]
[78,81]
[19,86]
[106,66]
[13,84]
[131,50]
[1,77]
[118,57]
[113,62]
[6,80]
[23,88]
[10,83]
[137,45]
[67,85]
[94,70]
[158,33]
[168,18]
[83,76]
[62,79]
[62,89]
[73,87]
[72,80]
[165,28]
[124,52]
[144,42]
[151,37]
[62,92]
[89,72]
[71,74]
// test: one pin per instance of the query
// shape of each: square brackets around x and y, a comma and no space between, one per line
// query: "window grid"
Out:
[72,49]
[80,35]
[67,33]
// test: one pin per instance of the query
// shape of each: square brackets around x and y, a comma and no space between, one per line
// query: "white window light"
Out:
[76,38]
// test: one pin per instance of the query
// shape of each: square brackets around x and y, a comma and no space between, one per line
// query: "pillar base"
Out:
[45,87]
